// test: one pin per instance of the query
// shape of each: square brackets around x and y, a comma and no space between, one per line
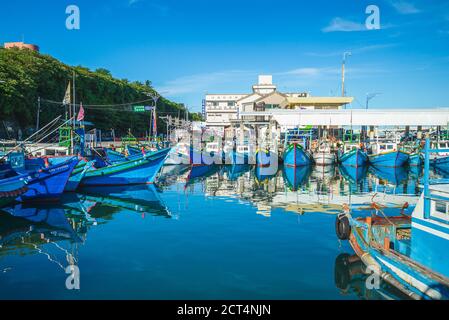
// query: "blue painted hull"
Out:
[355,158]
[296,177]
[138,171]
[415,160]
[49,183]
[10,186]
[392,159]
[295,156]
[442,163]
[76,177]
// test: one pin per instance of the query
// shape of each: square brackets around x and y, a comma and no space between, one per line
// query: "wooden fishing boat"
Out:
[45,181]
[77,174]
[296,156]
[352,155]
[323,155]
[142,170]
[440,160]
[407,251]
[387,154]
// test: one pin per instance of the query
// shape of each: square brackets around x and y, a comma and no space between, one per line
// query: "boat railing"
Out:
[428,196]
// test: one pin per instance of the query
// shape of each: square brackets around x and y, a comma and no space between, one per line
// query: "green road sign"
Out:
[139,108]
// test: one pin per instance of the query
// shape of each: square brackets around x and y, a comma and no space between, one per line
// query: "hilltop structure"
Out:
[21,45]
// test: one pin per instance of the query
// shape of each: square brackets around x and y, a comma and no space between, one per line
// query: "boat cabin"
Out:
[383,147]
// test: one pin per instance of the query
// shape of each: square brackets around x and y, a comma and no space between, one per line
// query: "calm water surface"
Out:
[203,233]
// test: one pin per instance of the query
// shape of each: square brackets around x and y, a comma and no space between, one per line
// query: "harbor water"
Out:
[217,232]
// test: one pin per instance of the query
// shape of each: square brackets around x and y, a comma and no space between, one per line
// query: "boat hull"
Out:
[415,160]
[354,158]
[391,159]
[324,158]
[49,183]
[138,171]
[295,156]
[441,162]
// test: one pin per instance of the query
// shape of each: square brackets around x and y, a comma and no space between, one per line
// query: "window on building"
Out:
[231,103]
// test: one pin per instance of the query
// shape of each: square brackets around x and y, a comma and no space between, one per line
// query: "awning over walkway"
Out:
[357,117]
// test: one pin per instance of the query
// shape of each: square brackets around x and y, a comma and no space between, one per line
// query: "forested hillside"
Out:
[26,75]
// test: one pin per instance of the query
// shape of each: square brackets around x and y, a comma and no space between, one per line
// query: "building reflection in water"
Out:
[307,190]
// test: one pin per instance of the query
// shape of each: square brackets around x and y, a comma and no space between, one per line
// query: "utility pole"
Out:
[345,55]
[38,113]
[73,113]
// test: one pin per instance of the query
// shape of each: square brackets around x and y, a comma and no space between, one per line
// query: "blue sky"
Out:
[189,48]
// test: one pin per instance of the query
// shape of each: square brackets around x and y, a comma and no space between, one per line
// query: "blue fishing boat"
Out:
[406,250]
[12,185]
[77,174]
[296,156]
[142,170]
[440,160]
[352,156]
[295,177]
[45,181]
[387,154]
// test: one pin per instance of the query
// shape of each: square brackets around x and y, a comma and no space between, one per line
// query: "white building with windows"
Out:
[224,109]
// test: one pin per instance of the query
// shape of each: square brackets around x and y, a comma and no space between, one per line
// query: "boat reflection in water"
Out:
[351,277]
[295,178]
[142,199]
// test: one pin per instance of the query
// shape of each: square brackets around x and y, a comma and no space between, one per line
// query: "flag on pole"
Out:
[80,113]
[67,96]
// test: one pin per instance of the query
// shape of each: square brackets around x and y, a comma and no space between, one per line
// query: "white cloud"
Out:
[204,82]
[404,7]
[341,25]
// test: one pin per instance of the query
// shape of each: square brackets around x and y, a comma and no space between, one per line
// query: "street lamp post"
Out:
[371,96]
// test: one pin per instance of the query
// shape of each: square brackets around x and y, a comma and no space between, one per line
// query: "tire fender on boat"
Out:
[342,227]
